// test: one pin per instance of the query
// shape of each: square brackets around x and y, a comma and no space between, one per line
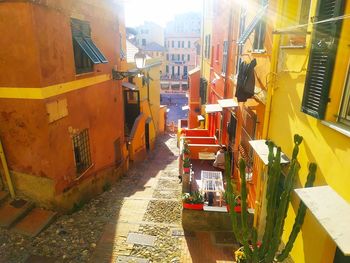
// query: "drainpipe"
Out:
[6,171]
[271,84]
[228,70]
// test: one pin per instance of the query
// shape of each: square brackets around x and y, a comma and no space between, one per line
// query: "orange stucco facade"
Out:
[38,54]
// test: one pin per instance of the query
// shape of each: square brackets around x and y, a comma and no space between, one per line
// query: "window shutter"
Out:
[324,45]
[203,90]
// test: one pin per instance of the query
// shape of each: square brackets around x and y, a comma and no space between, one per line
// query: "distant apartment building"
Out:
[182,38]
[156,51]
[149,32]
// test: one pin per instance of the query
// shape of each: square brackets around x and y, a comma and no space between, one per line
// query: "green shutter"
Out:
[324,45]
[203,90]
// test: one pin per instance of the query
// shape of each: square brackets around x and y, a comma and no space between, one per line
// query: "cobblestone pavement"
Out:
[145,201]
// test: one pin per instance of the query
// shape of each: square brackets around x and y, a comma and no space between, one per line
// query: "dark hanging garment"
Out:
[245,81]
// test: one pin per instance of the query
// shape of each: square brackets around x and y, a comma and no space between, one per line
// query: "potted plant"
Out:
[194,201]
[185,150]
[236,201]
[187,165]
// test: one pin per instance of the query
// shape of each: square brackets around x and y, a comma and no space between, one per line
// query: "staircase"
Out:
[22,216]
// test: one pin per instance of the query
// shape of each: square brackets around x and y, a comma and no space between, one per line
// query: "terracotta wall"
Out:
[38,52]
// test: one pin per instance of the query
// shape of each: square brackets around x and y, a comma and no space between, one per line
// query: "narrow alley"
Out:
[145,201]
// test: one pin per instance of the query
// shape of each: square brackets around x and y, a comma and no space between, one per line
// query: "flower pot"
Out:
[193,206]
[187,169]
[238,208]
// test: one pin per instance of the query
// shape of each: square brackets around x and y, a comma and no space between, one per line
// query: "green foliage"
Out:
[106,187]
[77,206]
[277,203]
[187,163]
[193,198]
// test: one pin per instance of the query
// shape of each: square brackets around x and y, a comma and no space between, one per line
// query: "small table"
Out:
[211,182]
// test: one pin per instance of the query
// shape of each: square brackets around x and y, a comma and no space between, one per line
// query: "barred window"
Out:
[81,147]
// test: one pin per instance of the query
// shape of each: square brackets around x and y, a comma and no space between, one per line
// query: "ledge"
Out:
[262,150]
[343,129]
[331,211]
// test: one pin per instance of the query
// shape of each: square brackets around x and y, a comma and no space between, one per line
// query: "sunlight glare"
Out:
[157,11]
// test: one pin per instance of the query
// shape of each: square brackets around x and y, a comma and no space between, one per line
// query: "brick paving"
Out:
[159,178]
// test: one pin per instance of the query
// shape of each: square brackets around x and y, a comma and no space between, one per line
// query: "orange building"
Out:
[240,35]
[60,122]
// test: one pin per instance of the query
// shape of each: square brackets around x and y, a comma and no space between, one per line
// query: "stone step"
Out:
[14,210]
[3,196]
[35,222]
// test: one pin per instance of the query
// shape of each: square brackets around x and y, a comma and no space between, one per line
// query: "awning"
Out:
[212,108]
[243,38]
[129,85]
[228,103]
[262,150]
[186,107]
[331,211]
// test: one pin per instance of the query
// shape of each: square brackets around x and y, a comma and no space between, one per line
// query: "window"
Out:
[143,42]
[224,57]
[254,25]
[183,57]
[167,56]
[217,53]
[81,148]
[178,44]
[167,69]
[178,57]
[188,57]
[241,31]
[203,90]
[259,36]
[324,45]
[85,51]
[259,33]
[185,70]
[172,43]
[189,44]
[298,17]
[172,57]
[207,47]
[183,44]
[344,115]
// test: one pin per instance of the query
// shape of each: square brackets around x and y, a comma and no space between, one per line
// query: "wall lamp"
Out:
[140,61]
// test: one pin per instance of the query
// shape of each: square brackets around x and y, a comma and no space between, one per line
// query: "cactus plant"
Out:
[276,208]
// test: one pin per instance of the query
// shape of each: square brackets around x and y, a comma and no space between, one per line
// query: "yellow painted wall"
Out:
[323,145]
[149,109]
[206,30]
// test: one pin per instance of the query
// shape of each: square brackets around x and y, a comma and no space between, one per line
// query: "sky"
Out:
[157,11]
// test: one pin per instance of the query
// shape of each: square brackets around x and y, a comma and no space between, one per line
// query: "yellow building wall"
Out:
[322,145]
[206,30]
[150,108]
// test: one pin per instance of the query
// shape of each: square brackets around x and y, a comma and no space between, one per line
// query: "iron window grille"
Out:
[86,52]
[81,147]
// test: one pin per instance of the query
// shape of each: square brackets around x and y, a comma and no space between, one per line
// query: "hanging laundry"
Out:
[245,81]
